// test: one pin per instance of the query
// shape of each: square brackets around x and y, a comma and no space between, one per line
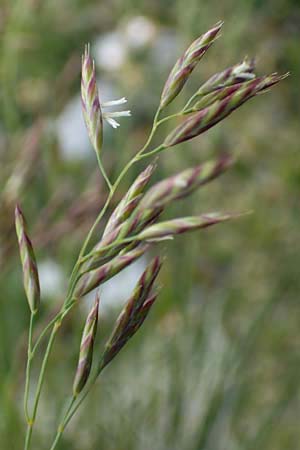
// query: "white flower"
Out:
[110,116]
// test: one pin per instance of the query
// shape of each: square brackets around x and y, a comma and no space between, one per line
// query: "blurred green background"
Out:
[216,365]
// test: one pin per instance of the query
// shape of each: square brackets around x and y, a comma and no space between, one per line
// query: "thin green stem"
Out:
[153,152]
[40,385]
[61,426]
[172,116]
[185,108]
[104,174]
[44,332]
[28,365]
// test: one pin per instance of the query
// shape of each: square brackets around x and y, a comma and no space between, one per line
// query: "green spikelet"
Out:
[30,271]
[170,228]
[90,101]
[186,64]
[86,349]
[134,312]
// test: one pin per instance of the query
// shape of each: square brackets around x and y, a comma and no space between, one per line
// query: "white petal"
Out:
[112,122]
[118,114]
[120,101]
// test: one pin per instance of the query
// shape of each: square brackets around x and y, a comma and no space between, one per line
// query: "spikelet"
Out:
[86,349]
[129,201]
[238,73]
[90,101]
[92,279]
[134,312]
[186,64]
[170,228]
[185,182]
[30,271]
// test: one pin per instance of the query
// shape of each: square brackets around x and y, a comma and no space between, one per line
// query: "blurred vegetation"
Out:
[216,366]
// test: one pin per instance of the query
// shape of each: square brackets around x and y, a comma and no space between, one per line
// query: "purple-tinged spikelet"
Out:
[86,349]
[134,312]
[30,271]
[201,121]
[186,64]
[238,73]
[170,228]
[93,278]
[130,201]
[118,225]
[184,183]
[215,96]
[90,101]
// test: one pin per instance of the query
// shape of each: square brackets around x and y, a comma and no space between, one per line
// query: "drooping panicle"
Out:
[170,228]
[238,73]
[134,312]
[130,201]
[186,64]
[201,121]
[93,278]
[90,101]
[29,265]
[86,349]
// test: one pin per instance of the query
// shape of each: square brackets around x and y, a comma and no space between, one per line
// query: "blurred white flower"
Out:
[139,31]
[168,45]
[71,132]
[110,51]
[51,278]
